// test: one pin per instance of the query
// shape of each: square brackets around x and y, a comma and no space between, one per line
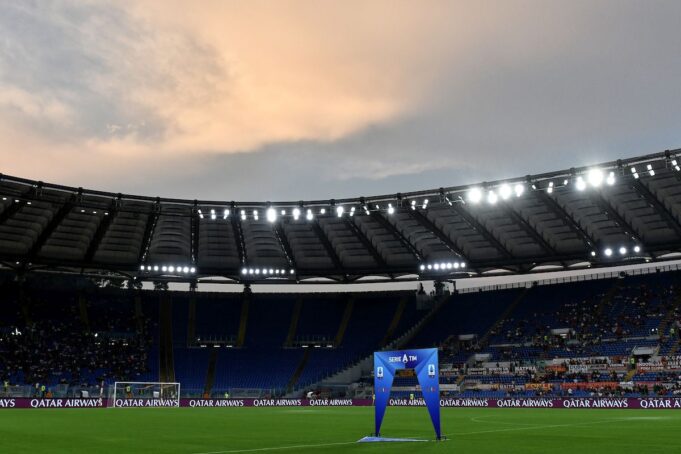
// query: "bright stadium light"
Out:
[474,195]
[225,214]
[463,264]
[243,215]
[608,252]
[293,271]
[519,189]
[271,214]
[141,267]
[436,266]
[296,213]
[185,270]
[595,177]
[425,204]
[244,270]
[611,179]
[255,214]
[456,265]
[550,188]
[164,268]
[155,267]
[339,211]
[322,211]
[391,210]
[581,184]
[651,172]
[430,267]
[623,250]
[171,269]
[309,215]
[505,191]
[422,267]
[492,197]
[192,270]
[213,216]
[593,253]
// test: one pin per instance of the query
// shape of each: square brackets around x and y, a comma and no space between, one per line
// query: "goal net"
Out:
[145,394]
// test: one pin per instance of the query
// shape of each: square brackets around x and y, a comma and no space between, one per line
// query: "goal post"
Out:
[145,394]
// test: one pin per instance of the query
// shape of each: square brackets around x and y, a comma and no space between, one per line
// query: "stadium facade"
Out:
[76,320]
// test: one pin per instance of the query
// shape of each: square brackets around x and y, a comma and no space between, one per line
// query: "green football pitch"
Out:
[331,430]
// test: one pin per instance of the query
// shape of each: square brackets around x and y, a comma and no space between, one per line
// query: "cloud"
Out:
[321,99]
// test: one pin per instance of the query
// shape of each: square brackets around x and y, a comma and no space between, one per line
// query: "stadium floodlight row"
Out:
[624,211]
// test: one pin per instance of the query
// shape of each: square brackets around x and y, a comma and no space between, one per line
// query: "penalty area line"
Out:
[279,448]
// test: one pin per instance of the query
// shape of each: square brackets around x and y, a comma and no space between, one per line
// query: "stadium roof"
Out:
[625,211]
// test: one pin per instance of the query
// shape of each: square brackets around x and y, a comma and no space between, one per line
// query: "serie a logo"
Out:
[379,372]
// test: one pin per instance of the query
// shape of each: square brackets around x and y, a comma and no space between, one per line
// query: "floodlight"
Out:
[505,191]
[595,177]
[608,252]
[611,179]
[271,214]
[296,213]
[422,267]
[339,211]
[391,210]
[519,189]
[492,197]
[309,215]
[474,195]
[623,250]
[581,184]
[637,249]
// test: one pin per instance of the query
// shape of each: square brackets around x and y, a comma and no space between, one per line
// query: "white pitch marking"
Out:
[278,448]
[537,427]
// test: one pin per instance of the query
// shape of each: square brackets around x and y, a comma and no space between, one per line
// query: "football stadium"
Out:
[227,230]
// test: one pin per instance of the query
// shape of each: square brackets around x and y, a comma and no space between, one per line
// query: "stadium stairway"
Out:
[139,314]
[607,299]
[354,371]
[210,374]
[191,321]
[167,364]
[349,306]
[630,375]
[504,315]
[298,372]
[395,321]
[82,311]
[243,320]
[293,327]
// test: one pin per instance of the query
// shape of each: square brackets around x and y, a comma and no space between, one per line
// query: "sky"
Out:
[295,100]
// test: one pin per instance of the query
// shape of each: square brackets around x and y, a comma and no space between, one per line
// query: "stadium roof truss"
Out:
[620,212]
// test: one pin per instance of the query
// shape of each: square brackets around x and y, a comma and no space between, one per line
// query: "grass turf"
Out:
[331,430]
